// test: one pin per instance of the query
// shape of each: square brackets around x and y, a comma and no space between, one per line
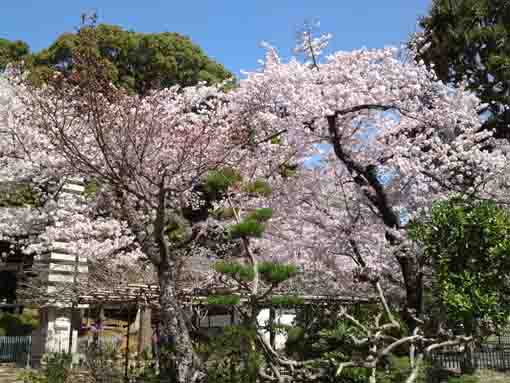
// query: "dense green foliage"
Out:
[55,370]
[136,61]
[319,333]
[252,225]
[468,40]
[235,270]
[468,244]
[261,215]
[230,359]
[16,195]
[322,338]
[18,324]
[12,51]
[139,61]
[247,228]
[399,369]
[273,272]
[220,180]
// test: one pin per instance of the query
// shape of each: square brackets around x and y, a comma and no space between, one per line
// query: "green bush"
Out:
[354,375]
[218,181]
[101,363]
[398,370]
[247,228]
[261,215]
[31,376]
[463,379]
[231,356]
[18,324]
[56,369]
[273,272]
[145,370]
[235,270]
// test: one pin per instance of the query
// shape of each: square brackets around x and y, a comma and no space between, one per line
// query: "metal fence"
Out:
[500,339]
[482,358]
[15,349]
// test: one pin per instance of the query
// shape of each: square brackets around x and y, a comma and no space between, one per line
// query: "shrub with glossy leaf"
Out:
[468,244]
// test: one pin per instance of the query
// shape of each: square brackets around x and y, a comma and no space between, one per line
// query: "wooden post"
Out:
[144,329]
[99,325]
[126,355]
[272,335]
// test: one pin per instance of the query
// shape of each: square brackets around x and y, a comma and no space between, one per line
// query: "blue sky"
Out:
[229,31]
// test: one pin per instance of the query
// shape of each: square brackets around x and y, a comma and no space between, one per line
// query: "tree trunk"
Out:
[178,361]
[413,280]
[468,366]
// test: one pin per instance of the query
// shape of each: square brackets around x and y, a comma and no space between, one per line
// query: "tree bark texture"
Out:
[178,361]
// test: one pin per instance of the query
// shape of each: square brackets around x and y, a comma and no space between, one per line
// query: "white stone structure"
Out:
[59,319]
[54,332]
[282,317]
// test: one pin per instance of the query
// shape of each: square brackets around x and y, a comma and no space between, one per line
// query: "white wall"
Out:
[282,317]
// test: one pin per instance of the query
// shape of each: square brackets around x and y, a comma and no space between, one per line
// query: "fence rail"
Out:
[15,349]
[483,358]
[500,339]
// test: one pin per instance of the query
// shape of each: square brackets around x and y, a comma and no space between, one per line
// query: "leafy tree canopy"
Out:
[468,243]
[136,61]
[139,61]
[468,40]
[11,51]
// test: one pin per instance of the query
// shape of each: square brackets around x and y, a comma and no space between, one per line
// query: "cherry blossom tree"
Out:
[397,141]
[149,155]
[396,138]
